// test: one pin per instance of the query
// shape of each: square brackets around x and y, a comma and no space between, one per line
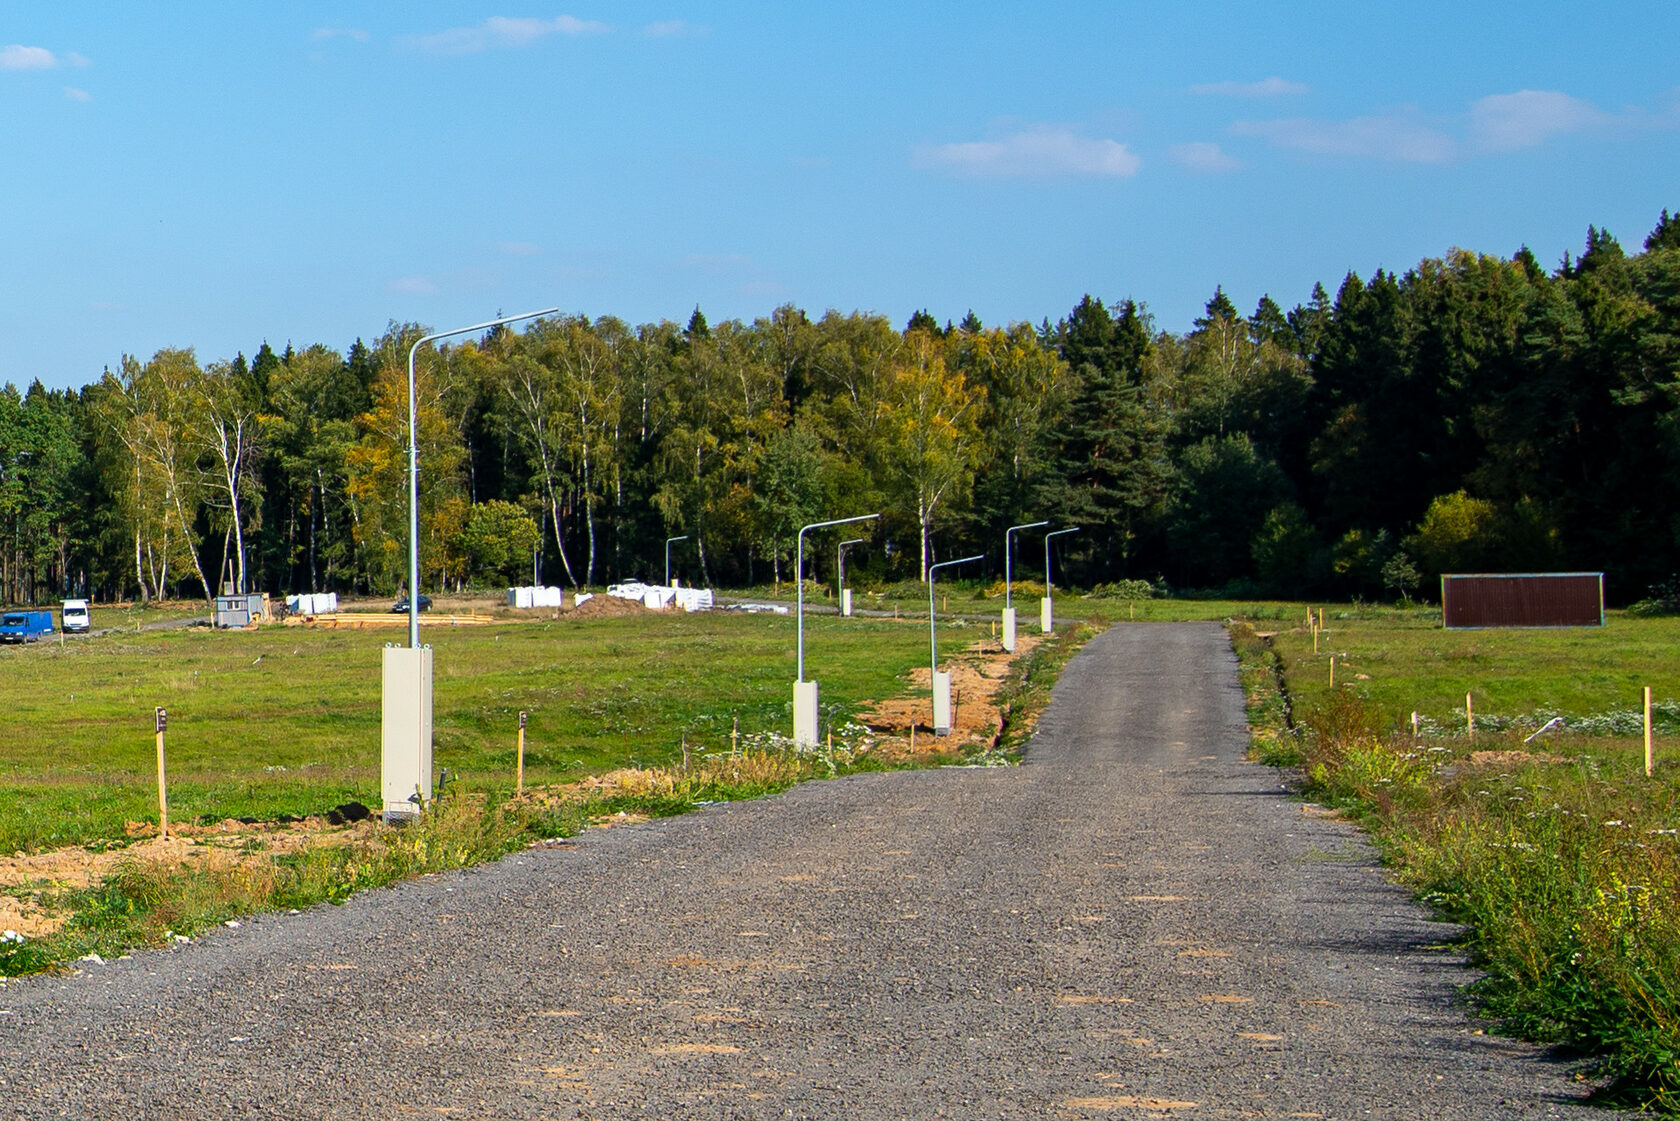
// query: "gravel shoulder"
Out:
[1135,922]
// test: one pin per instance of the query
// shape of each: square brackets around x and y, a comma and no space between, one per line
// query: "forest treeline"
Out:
[1472,414]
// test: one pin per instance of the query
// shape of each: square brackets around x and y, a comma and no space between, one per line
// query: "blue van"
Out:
[22,626]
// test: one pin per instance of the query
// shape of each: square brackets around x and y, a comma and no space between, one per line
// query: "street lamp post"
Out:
[805,692]
[843,592]
[941,682]
[668,541]
[406,699]
[1046,616]
[1008,587]
[414,464]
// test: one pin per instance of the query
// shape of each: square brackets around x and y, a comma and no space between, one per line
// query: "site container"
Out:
[1523,599]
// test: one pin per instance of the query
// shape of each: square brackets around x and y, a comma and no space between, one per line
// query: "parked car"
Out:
[23,626]
[75,616]
[401,606]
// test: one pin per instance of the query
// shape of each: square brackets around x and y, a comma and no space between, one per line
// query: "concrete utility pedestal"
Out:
[1046,620]
[406,731]
[846,602]
[1009,629]
[805,714]
[941,704]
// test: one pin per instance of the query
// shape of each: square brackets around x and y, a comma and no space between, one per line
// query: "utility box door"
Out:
[406,755]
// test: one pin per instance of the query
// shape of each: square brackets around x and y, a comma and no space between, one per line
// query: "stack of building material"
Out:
[658,597]
[534,596]
[313,603]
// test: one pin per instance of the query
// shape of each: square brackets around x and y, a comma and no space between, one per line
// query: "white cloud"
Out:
[1492,125]
[1204,157]
[322,34]
[1507,122]
[413,286]
[75,94]
[74,59]
[1402,136]
[15,57]
[504,31]
[1043,152]
[1269,87]
[518,249]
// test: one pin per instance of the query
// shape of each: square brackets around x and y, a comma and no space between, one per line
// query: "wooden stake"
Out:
[685,752]
[519,773]
[1315,640]
[1332,671]
[1414,724]
[163,780]
[1647,731]
[912,737]
[735,738]
[1470,715]
[1131,612]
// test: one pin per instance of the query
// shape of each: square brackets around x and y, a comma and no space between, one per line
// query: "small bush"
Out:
[1662,598]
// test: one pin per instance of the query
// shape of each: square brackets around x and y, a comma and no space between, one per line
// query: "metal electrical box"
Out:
[406,748]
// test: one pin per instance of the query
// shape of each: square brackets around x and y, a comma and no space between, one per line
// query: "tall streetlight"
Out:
[805,692]
[406,681]
[1008,587]
[842,591]
[668,541]
[414,465]
[1046,617]
[941,682]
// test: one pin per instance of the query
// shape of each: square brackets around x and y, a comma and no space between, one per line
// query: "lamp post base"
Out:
[1046,618]
[941,704]
[406,731]
[1009,630]
[805,714]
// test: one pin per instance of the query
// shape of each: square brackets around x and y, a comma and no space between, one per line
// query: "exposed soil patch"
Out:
[29,881]
[604,607]
[976,674]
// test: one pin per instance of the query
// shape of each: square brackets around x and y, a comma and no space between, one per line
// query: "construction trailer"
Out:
[242,610]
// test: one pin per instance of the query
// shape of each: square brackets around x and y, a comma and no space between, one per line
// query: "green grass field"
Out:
[286,720]
[1401,661]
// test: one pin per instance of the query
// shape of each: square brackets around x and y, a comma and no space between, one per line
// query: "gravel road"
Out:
[1135,922]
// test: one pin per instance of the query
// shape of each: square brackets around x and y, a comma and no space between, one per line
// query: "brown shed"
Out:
[1523,599]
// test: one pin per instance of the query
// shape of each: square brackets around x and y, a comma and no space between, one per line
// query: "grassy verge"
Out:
[1560,856]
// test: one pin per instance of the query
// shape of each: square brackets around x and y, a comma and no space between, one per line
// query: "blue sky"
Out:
[213,175]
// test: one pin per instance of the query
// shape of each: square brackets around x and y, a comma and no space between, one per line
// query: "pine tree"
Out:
[1667,233]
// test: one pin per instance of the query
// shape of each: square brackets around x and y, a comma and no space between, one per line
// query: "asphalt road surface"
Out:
[1135,922]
